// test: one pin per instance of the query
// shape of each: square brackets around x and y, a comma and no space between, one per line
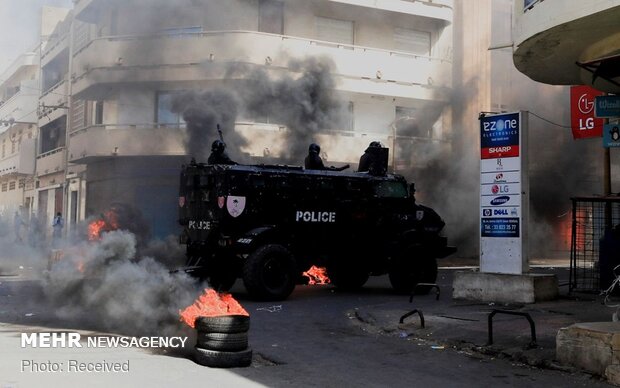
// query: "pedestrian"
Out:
[18,222]
[57,224]
[34,230]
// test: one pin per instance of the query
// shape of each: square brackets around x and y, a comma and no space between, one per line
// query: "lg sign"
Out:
[583,122]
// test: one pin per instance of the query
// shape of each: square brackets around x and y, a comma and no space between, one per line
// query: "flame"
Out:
[316,275]
[107,222]
[211,304]
[94,229]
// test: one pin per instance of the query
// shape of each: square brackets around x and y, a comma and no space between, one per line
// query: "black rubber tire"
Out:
[410,269]
[221,359]
[227,342]
[270,273]
[223,324]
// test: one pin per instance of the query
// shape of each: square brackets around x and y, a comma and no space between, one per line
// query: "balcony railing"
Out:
[180,58]
[51,162]
[111,140]
[22,162]
[55,45]
[22,105]
[433,9]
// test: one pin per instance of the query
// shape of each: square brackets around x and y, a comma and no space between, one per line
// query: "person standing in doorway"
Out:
[57,224]
[18,222]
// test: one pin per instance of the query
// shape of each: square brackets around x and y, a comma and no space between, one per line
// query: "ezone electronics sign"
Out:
[499,136]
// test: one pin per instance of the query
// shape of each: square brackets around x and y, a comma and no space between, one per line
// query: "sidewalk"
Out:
[463,325]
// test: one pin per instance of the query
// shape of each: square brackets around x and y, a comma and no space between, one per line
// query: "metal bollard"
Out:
[526,315]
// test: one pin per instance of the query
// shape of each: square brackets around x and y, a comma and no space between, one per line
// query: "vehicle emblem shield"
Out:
[235,205]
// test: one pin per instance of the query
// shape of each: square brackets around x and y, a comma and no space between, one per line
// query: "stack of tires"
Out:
[223,341]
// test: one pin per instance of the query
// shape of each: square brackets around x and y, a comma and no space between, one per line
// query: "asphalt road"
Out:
[319,337]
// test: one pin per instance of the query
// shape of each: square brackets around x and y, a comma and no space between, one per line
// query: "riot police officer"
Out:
[314,162]
[369,157]
[218,154]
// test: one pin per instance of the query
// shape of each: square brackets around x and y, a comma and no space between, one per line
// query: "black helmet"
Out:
[218,146]
[373,145]
[314,148]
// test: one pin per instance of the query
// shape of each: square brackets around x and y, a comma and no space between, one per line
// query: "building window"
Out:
[271,16]
[22,184]
[165,114]
[13,144]
[12,185]
[334,30]
[348,117]
[5,186]
[182,30]
[52,135]
[412,41]
[407,123]
[98,113]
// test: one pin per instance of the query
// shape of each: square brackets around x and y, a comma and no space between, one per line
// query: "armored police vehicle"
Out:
[266,224]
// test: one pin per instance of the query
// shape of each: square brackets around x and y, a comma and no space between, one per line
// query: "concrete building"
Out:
[51,166]
[19,92]
[486,80]
[391,68]
[575,43]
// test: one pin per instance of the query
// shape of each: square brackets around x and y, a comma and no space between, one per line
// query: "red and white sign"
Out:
[583,122]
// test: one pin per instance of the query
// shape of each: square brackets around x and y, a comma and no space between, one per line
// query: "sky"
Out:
[20,25]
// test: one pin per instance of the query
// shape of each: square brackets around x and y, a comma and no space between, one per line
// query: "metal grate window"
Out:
[595,243]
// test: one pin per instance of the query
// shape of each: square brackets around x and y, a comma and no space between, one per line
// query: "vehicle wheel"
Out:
[347,275]
[223,324]
[221,359]
[409,270]
[228,342]
[269,273]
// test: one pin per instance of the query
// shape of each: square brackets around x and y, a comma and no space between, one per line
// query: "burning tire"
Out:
[410,270]
[270,273]
[223,324]
[228,342]
[222,359]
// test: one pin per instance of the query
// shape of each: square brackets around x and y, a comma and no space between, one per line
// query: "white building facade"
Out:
[391,71]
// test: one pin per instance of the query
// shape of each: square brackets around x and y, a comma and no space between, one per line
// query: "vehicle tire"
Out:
[409,270]
[222,359]
[227,342]
[348,276]
[269,273]
[223,324]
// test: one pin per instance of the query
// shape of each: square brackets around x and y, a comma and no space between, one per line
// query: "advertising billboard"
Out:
[503,207]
